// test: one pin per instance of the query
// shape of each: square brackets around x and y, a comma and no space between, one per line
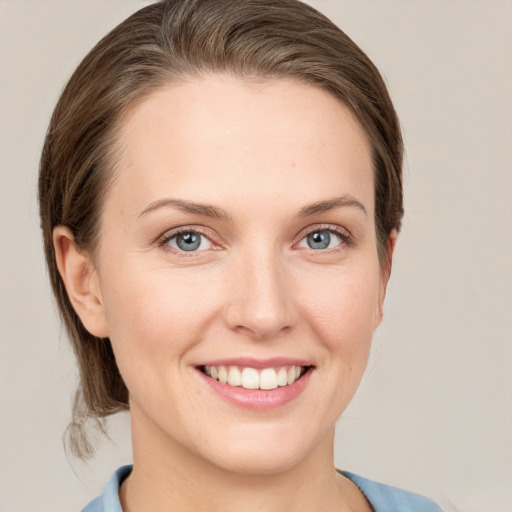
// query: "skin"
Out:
[260,151]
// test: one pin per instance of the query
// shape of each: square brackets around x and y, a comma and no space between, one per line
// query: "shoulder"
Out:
[94,506]
[109,500]
[385,498]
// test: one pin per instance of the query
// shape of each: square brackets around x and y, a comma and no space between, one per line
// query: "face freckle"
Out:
[263,295]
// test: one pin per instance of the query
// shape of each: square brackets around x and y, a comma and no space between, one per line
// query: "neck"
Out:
[168,477]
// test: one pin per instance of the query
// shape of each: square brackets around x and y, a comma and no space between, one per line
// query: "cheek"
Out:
[343,305]
[341,309]
[157,314]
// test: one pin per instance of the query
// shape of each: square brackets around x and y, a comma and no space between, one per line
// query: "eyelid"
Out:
[345,235]
[208,233]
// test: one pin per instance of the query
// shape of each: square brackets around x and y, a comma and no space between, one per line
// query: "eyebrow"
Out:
[345,200]
[207,210]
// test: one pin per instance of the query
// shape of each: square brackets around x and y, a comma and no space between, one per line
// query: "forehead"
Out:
[208,137]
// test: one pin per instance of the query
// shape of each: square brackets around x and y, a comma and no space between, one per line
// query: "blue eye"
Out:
[321,239]
[188,241]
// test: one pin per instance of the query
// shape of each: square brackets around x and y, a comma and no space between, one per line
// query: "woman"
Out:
[220,195]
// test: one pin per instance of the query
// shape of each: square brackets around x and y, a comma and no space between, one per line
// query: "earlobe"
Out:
[81,281]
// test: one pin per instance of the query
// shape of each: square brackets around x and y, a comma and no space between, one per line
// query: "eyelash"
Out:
[167,237]
[346,240]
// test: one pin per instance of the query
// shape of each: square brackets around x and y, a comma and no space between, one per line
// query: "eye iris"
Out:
[188,241]
[319,240]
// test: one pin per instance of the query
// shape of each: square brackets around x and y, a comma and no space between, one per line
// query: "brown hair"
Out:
[175,40]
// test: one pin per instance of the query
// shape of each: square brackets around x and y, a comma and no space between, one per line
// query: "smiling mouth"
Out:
[252,378]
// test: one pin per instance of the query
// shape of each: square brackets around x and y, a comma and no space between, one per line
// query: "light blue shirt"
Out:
[383,498]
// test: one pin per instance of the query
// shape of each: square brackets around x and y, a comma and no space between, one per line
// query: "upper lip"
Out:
[249,362]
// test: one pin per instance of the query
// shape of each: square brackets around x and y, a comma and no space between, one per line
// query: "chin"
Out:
[262,453]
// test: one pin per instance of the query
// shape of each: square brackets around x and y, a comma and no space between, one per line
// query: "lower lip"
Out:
[258,398]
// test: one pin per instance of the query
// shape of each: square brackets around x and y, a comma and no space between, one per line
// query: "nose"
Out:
[260,297]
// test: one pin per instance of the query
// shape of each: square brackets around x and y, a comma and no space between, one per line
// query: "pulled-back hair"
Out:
[178,40]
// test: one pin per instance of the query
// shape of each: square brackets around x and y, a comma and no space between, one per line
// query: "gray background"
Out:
[434,412]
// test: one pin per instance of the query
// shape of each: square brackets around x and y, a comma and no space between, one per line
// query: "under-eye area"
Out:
[252,378]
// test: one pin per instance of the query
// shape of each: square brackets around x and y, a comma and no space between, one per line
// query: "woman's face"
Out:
[238,242]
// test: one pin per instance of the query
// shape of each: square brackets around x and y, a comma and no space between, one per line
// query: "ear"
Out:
[385,272]
[81,281]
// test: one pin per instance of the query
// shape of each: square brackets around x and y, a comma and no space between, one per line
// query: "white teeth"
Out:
[234,376]
[268,379]
[250,378]
[282,377]
[291,375]
[223,375]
